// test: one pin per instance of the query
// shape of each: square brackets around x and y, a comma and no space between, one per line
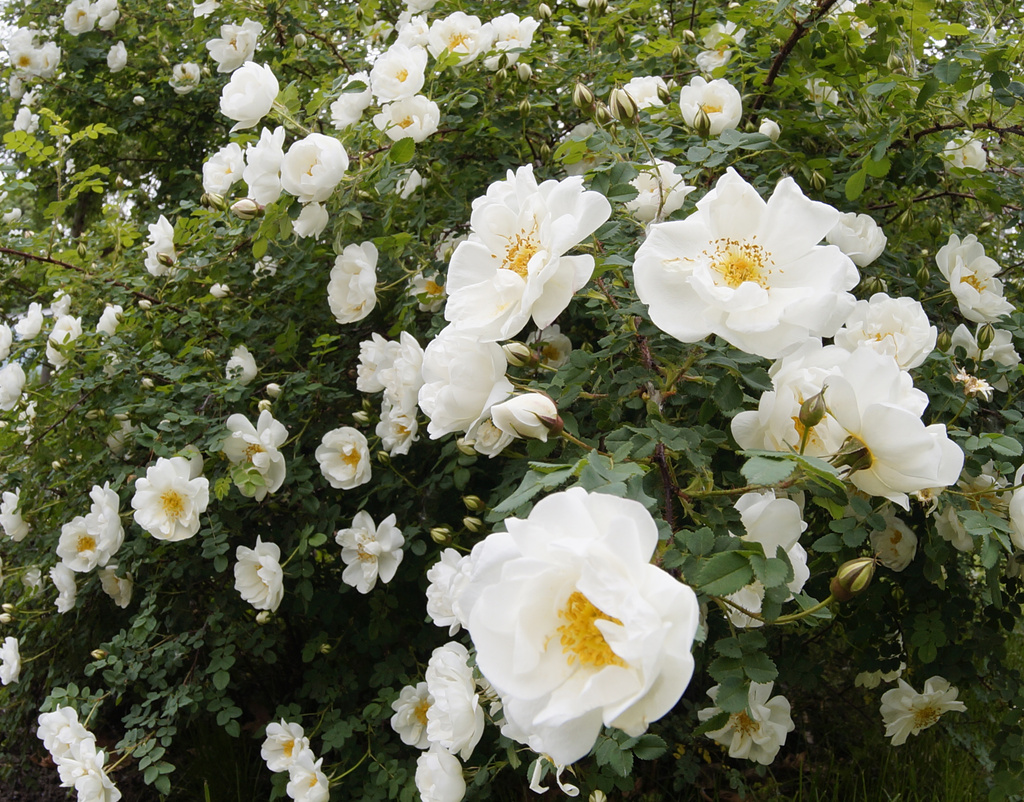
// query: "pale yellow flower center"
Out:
[252,450]
[741,722]
[926,716]
[711,108]
[973,281]
[287,747]
[582,642]
[420,711]
[521,249]
[86,543]
[173,504]
[402,74]
[457,40]
[433,288]
[24,60]
[351,459]
[737,262]
[404,123]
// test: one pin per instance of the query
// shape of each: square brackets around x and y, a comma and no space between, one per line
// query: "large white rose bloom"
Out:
[79,17]
[447,577]
[410,718]
[510,32]
[262,171]
[312,220]
[972,279]
[313,167]
[439,777]
[31,322]
[719,99]
[236,45]
[110,319]
[259,579]
[892,451]
[59,729]
[14,526]
[117,57]
[370,551]
[184,78]
[755,735]
[257,448]
[747,270]
[398,73]
[91,541]
[906,712]
[646,90]
[344,458]
[283,745]
[160,253]
[455,719]
[574,627]
[248,97]
[66,330]
[512,267]
[660,191]
[462,379]
[170,498]
[350,105]
[10,661]
[223,169]
[352,289]
[306,779]
[241,366]
[12,382]
[898,327]
[895,545]
[859,237]
[965,152]
[461,34]
[416,117]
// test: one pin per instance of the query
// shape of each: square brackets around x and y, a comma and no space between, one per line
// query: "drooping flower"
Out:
[352,289]
[10,661]
[110,319]
[236,45]
[718,99]
[160,253]
[758,734]
[439,777]
[14,526]
[66,330]
[895,545]
[972,279]
[370,551]
[241,366]
[31,323]
[170,498]
[64,581]
[312,220]
[747,270]
[906,712]
[118,588]
[283,745]
[255,450]
[512,267]
[574,627]
[859,237]
[455,718]
[223,169]
[344,458]
[351,103]
[410,718]
[259,579]
[306,779]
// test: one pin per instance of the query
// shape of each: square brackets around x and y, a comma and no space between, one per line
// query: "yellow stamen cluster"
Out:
[252,450]
[926,716]
[521,249]
[420,711]
[582,642]
[744,724]
[737,262]
[173,504]
[457,40]
[710,108]
[85,543]
[973,280]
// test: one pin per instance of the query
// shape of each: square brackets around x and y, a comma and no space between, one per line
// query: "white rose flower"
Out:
[352,290]
[64,581]
[110,319]
[719,99]
[6,341]
[79,17]
[906,712]
[313,167]
[455,719]
[61,304]
[972,279]
[439,777]
[255,449]
[241,366]
[376,356]
[160,248]
[417,117]
[91,541]
[259,579]
[14,526]
[898,327]
[574,627]
[747,270]
[10,661]
[223,168]
[510,33]
[770,129]
[512,267]
[1000,350]
[66,330]
[410,719]
[370,551]
[28,122]
[1015,511]
[349,107]
[306,780]
[413,31]
[249,95]
[236,45]
[821,92]
[205,8]
[407,185]
[30,323]
[965,152]
[283,745]
[717,41]
[184,78]
[170,498]
[344,458]
[551,345]
[397,428]
[59,729]
[530,415]
[447,577]
[107,14]
[12,382]
[661,191]
[859,237]
[116,587]
[461,34]
[486,438]
[646,90]
[398,73]
[895,545]
[117,57]
[312,221]
[462,379]
[758,732]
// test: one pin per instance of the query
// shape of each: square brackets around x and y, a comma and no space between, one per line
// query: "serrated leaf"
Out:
[770,571]
[767,471]
[650,747]
[402,150]
[724,574]
[855,185]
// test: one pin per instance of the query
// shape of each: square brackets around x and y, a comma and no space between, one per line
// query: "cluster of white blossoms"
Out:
[81,16]
[29,59]
[396,368]
[906,712]
[286,748]
[79,762]
[10,661]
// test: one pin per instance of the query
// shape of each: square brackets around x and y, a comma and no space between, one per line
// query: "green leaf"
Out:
[947,71]
[855,184]
[725,573]
[402,150]
[650,747]
[767,471]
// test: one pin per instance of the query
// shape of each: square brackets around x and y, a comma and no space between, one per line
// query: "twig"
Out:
[51,261]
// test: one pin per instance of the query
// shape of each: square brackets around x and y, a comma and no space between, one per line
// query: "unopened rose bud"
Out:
[147,383]
[519,354]
[262,617]
[812,410]
[894,62]
[325,648]
[473,503]
[246,209]
[264,405]
[544,152]
[524,71]
[7,608]
[209,356]
[601,114]
[166,259]
[922,276]
[501,74]
[383,457]
[986,334]
[871,285]
[770,129]
[299,40]
[441,535]
[465,446]
[98,654]
[818,181]
[503,62]
[473,524]
[664,95]
[5,618]
[524,107]
[139,100]
[598,796]
[622,107]
[702,123]
[689,36]
[852,578]
[531,415]
[597,6]
[56,464]
[544,12]
[82,250]
[361,417]
[906,219]
[145,304]
[273,389]
[853,455]
[220,290]
[944,341]
[582,96]
[677,53]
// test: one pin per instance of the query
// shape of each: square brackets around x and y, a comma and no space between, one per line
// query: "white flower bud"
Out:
[264,405]
[532,415]
[220,290]
[139,100]
[770,129]
[147,383]
[273,389]
[361,417]
[5,618]
[524,71]
[145,304]
[262,617]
